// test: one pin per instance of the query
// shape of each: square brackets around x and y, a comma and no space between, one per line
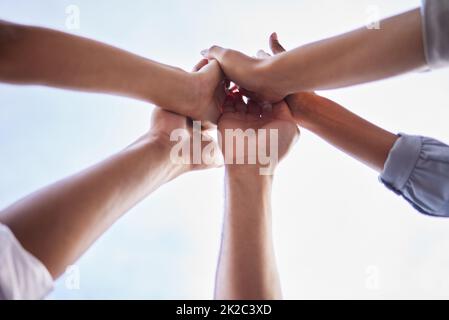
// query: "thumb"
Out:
[200,65]
[275,46]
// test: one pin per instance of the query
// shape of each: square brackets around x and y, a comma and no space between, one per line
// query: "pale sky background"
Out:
[338,232]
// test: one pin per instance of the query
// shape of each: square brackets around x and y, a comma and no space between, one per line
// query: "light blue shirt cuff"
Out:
[401,162]
[417,168]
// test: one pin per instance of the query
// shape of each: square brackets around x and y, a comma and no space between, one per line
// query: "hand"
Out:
[208,92]
[250,118]
[255,75]
[164,123]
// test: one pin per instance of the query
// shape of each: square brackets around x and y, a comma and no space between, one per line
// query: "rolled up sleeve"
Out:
[435,15]
[417,168]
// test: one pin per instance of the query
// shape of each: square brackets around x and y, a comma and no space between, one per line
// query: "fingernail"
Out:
[275,36]
[204,53]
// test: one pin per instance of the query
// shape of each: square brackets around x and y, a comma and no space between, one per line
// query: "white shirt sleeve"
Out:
[22,276]
[435,15]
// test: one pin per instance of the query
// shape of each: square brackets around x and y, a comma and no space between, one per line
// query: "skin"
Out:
[336,125]
[247,266]
[343,129]
[39,56]
[359,56]
[58,223]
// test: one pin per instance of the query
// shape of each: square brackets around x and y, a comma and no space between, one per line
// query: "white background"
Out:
[339,233]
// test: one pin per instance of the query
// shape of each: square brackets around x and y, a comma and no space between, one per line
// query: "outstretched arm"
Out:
[356,57]
[343,129]
[338,126]
[33,55]
[414,167]
[57,224]
[247,265]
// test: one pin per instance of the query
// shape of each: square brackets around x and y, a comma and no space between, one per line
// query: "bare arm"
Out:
[359,56]
[33,55]
[338,126]
[356,57]
[247,267]
[343,129]
[57,224]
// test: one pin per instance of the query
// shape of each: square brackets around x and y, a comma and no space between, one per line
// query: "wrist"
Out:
[247,183]
[158,147]
[169,87]
[248,172]
[269,78]
[302,106]
[195,94]
[280,69]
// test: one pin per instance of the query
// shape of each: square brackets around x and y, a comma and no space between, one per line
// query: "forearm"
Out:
[58,223]
[359,56]
[32,55]
[343,129]
[247,267]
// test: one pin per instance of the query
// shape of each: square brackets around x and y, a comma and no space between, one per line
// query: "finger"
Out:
[275,46]
[229,104]
[225,57]
[214,52]
[200,65]
[214,68]
[254,108]
[262,54]
[233,63]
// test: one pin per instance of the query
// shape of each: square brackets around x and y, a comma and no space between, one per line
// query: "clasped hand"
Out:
[263,125]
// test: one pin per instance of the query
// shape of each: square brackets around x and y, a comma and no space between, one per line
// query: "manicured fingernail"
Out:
[204,53]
